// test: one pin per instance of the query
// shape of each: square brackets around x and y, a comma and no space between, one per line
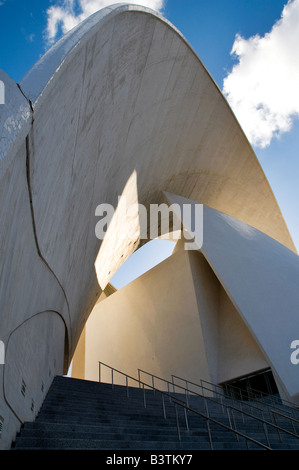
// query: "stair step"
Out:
[56,443]
[80,414]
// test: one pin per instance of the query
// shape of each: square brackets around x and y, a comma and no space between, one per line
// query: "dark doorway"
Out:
[252,386]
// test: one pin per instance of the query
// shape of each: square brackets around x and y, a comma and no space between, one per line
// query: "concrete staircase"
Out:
[78,414]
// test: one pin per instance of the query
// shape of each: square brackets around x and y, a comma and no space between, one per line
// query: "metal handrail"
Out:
[262,394]
[234,399]
[281,412]
[262,420]
[250,405]
[178,402]
[274,401]
[279,400]
[290,411]
[271,408]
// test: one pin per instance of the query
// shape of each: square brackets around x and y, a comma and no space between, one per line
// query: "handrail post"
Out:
[164,410]
[99,372]
[168,389]
[209,433]
[241,409]
[187,398]
[275,422]
[187,393]
[144,400]
[235,427]
[172,378]
[266,434]
[177,422]
[179,402]
[221,402]
[186,419]
[206,406]
[229,418]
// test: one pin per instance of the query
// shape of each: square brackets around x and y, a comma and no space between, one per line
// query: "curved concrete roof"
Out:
[208,154]
[124,100]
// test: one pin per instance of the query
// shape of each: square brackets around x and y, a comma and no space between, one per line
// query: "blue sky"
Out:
[266,58]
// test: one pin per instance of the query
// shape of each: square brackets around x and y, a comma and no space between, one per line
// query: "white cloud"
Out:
[68,13]
[263,87]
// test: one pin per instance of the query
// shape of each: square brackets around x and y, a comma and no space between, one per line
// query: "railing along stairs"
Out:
[276,408]
[233,407]
[181,401]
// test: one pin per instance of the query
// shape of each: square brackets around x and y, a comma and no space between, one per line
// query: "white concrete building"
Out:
[122,105]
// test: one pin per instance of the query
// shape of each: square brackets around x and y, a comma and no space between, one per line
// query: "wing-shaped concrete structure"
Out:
[120,105]
[260,276]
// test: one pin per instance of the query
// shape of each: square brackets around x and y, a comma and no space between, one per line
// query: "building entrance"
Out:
[252,386]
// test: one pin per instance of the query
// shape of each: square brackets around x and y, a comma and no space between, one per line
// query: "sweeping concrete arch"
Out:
[121,105]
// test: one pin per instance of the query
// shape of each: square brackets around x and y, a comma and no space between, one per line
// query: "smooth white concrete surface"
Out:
[174,319]
[261,277]
[152,324]
[122,93]
[36,79]
[132,98]
[238,353]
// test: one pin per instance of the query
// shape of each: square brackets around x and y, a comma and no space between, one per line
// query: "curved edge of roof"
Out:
[40,74]
[36,79]
[35,82]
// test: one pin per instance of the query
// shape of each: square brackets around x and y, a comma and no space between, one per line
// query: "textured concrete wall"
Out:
[27,286]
